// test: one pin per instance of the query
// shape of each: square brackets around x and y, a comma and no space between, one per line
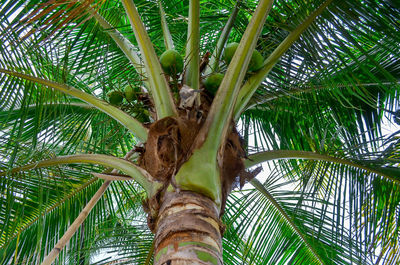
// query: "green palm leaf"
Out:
[329,99]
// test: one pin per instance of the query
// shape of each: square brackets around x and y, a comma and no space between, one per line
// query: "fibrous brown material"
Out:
[169,141]
[170,144]
[232,164]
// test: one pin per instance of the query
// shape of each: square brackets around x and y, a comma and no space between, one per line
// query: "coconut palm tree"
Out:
[129,130]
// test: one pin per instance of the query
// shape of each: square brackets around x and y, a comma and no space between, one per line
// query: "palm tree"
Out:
[109,157]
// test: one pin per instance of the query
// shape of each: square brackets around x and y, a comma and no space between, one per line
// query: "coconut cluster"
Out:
[115,97]
[172,64]
[214,80]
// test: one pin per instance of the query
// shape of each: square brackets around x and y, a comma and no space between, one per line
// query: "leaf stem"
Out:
[51,208]
[192,57]
[125,119]
[159,87]
[261,157]
[260,187]
[123,43]
[218,119]
[251,85]
[169,44]
[200,173]
[81,218]
[216,55]
[48,260]
[141,176]
[310,88]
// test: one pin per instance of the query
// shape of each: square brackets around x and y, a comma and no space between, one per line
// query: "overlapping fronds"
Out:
[333,92]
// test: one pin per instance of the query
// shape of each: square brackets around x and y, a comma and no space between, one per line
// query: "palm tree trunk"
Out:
[188,230]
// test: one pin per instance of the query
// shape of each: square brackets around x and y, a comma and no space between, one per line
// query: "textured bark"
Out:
[188,230]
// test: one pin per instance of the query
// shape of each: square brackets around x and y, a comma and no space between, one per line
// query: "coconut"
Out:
[115,97]
[229,51]
[256,62]
[171,62]
[129,93]
[212,82]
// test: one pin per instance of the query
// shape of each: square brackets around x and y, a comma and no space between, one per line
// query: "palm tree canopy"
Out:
[329,99]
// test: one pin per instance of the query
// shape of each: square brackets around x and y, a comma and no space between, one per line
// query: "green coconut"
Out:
[171,62]
[115,97]
[129,93]
[229,51]
[256,62]
[212,82]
